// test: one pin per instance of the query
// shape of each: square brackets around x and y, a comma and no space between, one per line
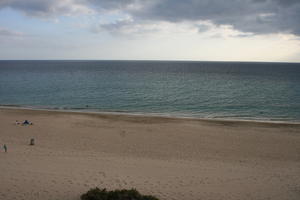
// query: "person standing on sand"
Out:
[5,148]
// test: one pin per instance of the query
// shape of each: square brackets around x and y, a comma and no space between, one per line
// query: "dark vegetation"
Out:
[103,194]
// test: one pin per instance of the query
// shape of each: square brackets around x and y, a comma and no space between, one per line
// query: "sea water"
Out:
[226,90]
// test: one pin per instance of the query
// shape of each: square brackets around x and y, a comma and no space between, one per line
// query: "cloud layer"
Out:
[47,8]
[251,16]
[9,33]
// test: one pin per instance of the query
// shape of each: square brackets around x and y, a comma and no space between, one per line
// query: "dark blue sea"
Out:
[225,90]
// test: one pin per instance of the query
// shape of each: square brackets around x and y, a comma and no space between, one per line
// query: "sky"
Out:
[201,30]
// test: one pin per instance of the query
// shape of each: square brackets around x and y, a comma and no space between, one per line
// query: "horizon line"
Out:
[151,60]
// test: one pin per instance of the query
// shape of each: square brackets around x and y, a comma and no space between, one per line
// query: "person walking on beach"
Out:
[32,141]
[5,148]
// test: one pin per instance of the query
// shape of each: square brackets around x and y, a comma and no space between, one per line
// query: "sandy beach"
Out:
[171,158]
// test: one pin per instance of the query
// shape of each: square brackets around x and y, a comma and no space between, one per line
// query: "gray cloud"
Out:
[9,33]
[46,8]
[255,16]
[116,27]
[127,28]
[111,4]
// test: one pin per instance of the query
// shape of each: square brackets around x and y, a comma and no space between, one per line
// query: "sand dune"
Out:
[171,158]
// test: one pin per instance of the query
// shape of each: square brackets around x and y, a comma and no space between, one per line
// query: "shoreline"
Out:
[151,115]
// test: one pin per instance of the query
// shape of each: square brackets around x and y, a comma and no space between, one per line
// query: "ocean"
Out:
[218,90]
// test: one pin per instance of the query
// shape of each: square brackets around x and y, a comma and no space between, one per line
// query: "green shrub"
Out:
[103,194]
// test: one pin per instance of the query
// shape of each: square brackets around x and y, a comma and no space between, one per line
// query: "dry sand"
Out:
[174,159]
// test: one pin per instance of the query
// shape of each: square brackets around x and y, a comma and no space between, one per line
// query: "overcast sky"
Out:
[215,30]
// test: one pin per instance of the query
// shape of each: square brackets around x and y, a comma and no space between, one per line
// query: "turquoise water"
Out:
[254,91]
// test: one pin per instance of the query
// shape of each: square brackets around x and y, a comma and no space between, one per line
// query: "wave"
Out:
[241,118]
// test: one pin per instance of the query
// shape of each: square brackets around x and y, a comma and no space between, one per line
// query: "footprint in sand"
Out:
[123,134]
[102,173]
[131,182]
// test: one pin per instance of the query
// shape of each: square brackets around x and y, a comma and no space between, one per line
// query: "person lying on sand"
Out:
[26,122]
